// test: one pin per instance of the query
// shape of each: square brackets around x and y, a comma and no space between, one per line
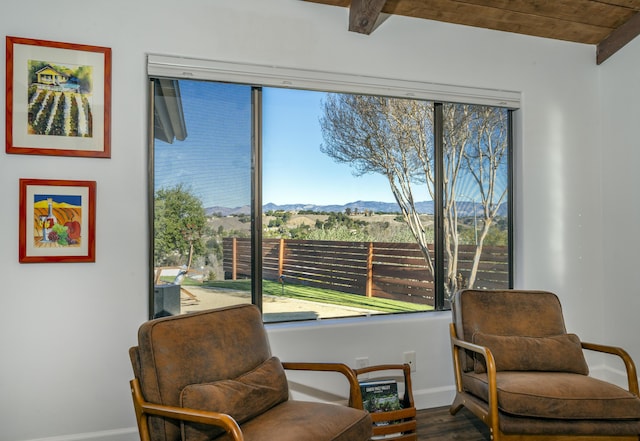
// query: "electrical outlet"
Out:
[362,362]
[410,359]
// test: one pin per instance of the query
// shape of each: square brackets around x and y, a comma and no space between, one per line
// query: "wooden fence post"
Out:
[281,258]
[234,259]
[369,287]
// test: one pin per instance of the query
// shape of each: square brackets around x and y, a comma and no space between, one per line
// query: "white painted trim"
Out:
[434,397]
[127,434]
[273,76]
[609,374]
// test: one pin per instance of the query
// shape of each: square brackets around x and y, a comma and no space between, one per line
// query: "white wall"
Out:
[66,328]
[620,151]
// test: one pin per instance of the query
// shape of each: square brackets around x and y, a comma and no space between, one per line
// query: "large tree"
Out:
[394,137]
[475,161]
[179,226]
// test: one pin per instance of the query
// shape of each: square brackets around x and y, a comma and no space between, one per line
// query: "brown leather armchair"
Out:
[210,375]
[526,378]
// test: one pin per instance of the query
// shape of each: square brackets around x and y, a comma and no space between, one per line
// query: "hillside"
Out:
[465,208]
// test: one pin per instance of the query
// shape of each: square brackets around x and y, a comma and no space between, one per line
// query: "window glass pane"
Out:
[335,241]
[476,223]
[202,191]
[349,200]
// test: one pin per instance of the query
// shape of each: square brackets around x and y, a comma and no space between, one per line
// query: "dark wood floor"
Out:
[438,424]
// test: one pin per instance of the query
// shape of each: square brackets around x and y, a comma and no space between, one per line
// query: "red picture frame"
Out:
[58,98]
[57,221]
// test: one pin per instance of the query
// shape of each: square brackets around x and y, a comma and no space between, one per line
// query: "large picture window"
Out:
[315,204]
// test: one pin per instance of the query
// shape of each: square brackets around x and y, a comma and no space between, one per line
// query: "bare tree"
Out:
[394,137]
[475,151]
[387,136]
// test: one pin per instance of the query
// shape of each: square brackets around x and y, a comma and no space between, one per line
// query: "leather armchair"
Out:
[210,375]
[526,378]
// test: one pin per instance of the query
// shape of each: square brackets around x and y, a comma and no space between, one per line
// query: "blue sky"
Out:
[214,161]
[59,198]
[294,168]
[215,158]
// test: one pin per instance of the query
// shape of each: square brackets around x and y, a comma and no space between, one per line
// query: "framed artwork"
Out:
[57,221]
[58,99]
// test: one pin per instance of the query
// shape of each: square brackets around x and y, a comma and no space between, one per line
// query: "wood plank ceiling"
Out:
[607,24]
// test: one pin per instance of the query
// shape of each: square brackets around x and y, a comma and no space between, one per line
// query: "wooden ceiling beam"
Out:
[363,15]
[617,39]
[477,13]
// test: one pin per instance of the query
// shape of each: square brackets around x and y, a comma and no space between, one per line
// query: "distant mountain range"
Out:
[361,206]
[465,208]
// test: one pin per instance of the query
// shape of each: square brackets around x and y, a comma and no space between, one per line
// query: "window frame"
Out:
[164,66]
[160,66]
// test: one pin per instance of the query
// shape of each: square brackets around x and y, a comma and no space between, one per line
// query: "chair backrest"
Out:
[196,348]
[506,312]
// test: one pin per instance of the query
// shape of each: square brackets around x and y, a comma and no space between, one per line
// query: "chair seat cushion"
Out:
[307,421]
[557,395]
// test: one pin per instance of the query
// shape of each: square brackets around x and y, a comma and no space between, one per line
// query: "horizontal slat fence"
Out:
[340,266]
[493,270]
[400,272]
[378,269]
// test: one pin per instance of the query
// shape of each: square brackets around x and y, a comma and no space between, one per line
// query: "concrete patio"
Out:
[275,308]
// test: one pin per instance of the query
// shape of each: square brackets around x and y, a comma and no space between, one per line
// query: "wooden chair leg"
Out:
[456,405]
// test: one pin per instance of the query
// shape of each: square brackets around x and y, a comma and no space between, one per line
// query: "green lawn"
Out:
[302,292]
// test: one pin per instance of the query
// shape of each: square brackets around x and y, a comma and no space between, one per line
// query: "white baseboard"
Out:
[423,398]
[434,397]
[129,434]
[606,373]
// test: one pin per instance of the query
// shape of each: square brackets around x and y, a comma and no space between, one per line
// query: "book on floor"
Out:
[380,395]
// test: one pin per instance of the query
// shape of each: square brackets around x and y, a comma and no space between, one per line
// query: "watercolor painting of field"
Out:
[59,99]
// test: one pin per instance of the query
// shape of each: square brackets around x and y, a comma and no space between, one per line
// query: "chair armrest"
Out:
[143,409]
[492,402]
[355,396]
[629,365]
